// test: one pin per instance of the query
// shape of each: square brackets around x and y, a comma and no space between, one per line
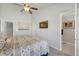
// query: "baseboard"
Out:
[55,48]
[70,44]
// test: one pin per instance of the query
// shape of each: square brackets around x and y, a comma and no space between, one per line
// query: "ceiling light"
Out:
[26,8]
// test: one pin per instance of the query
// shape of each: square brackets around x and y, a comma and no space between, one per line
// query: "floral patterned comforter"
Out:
[24,46]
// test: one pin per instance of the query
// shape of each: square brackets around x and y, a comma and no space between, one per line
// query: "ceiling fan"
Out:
[28,8]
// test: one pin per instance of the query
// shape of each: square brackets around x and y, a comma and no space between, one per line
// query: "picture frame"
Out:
[68,24]
[43,24]
[23,26]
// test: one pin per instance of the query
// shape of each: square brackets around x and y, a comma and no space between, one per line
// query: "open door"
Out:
[68,34]
[9,28]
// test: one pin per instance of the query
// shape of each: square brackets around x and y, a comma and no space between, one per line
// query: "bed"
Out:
[23,46]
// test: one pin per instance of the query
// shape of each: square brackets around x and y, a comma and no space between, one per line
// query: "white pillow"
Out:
[2,44]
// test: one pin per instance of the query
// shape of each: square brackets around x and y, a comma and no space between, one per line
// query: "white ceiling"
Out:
[56,5]
[42,5]
[38,5]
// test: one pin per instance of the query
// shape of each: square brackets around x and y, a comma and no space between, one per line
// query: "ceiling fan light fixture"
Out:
[26,8]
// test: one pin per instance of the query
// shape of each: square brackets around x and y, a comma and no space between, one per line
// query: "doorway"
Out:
[68,34]
[9,28]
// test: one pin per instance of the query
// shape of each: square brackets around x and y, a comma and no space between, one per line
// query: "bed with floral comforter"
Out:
[23,46]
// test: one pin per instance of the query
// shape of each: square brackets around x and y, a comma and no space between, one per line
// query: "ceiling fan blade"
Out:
[17,4]
[26,4]
[30,11]
[22,10]
[34,8]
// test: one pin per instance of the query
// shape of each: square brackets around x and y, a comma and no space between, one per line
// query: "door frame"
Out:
[60,32]
[61,16]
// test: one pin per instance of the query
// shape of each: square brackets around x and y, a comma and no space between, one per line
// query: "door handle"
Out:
[61,31]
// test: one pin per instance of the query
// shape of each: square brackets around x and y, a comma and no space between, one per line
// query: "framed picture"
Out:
[68,24]
[23,26]
[43,24]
